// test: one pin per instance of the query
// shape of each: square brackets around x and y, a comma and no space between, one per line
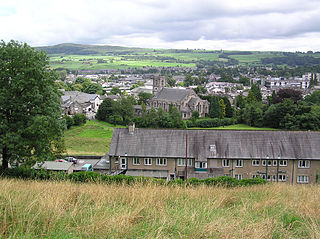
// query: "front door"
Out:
[123,163]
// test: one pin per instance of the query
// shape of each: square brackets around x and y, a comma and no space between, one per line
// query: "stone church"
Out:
[186,100]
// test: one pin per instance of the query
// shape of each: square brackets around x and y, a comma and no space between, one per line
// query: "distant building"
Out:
[278,156]
[75,102]
[186,100]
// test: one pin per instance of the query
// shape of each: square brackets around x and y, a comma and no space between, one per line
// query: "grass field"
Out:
[90,139]
[33,209]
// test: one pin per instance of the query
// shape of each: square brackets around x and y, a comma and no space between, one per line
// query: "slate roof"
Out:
[52,165]
[227,143]
[172,94]
[78,96]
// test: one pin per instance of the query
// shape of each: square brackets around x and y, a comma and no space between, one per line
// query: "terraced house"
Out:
[278,156]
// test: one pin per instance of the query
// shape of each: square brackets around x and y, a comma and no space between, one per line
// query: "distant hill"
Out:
[79,49]
[71,56]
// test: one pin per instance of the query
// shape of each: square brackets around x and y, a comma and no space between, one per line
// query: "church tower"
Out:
[158,83]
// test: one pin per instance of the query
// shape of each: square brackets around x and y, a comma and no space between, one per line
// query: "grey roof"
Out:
[172,94]
[82,162]
[78,96]
[52,165]
[228,144]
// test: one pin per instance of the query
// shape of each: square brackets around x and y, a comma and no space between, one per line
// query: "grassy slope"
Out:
[31,209]
[89,139]
[75,57]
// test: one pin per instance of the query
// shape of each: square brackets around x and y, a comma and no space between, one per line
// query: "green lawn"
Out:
[89,139]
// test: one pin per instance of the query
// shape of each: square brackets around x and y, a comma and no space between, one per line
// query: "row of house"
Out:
[279,156]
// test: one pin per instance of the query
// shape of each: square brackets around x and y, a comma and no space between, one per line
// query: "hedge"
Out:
[84,177]
[209,122]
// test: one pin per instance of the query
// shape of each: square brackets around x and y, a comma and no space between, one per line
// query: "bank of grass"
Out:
[34,209]
[236,127]
[93,138]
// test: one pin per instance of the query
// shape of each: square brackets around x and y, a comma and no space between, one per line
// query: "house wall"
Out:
[291,171]
[248,170]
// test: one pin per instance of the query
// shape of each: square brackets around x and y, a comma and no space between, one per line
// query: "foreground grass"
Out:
[237,127]
[32,209]
[90,139]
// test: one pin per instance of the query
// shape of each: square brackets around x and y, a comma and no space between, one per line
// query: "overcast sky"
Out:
[285,25]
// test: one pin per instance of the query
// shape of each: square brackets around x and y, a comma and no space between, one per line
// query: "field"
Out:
[93,57]
[34,209]
[90,139]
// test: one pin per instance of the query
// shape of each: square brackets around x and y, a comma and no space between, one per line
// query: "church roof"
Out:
[172,94]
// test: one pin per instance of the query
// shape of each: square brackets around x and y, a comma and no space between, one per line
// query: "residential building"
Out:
[75,102]
[279,156]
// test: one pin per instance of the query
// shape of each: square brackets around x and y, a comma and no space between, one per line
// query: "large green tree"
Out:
[31,126]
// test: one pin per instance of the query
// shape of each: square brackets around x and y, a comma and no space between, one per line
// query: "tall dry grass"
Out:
[31,209]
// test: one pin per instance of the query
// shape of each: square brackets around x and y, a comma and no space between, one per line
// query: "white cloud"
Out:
[212,24]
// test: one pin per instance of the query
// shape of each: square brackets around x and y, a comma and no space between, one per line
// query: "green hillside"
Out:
[97,57]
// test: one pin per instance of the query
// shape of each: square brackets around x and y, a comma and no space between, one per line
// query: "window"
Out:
[201,165]
[239,163]
[161,161]
[212,148]
[225,163]
[274,162]
[136,161]
[255,162]
[147,161]
[116,160]
[274,178]
[304,164]
[182,162]
[269,162]
[256,176]
[302,179]
[283,163]
[282,178]
[263,163]
[238,176]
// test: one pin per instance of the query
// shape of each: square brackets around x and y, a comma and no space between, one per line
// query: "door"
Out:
[123,163]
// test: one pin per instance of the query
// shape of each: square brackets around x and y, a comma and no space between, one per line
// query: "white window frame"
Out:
[283,163]
[147,161]
[303,179]
[212,148]
[269,163]
[182,162]
[282,178]
[239,163]
[255,162]
[161,161]
[225,163]
[304,164]
[201,164]
[263,163]
[238,176]
[135,161]
[274,163]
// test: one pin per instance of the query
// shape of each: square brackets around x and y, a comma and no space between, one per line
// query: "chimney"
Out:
[131,126]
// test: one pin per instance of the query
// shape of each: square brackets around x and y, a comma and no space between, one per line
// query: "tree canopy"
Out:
[31,126]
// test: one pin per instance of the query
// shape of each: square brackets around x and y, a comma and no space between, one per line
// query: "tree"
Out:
[144,97]
[115,91]
[171,82]
[105,110]
[223,108]
[286,93]
[31,126]
[254,94]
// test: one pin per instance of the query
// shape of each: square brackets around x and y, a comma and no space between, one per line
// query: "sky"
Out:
[262,25]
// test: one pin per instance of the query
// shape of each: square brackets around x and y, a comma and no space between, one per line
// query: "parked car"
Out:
[61,160]
[87,167]
[71,159]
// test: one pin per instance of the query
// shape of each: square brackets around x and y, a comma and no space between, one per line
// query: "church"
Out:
[186,100]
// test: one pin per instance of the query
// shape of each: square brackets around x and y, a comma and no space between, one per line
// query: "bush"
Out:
[79,119]
[209,122]
[85,176]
